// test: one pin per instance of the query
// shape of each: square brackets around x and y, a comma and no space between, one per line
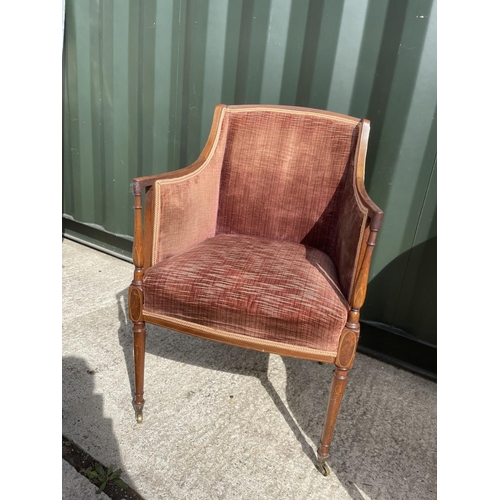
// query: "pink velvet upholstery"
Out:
[250,242]
[267,289]
[290,176]
[186,207]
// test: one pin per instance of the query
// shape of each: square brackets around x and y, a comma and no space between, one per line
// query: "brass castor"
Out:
[138,412]
[323,468]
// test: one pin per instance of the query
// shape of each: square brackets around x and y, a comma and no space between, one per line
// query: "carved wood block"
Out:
[346,349]
[135,300]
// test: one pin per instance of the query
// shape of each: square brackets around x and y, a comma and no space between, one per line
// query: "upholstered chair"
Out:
[264,242]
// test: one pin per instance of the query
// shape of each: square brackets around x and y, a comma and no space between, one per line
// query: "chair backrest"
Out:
[287,174]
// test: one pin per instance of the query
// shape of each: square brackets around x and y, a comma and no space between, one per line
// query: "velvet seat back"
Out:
[290,175]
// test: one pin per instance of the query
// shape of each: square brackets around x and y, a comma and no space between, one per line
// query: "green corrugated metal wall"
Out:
[142,78]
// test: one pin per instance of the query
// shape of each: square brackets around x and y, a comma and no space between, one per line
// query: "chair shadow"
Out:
[82,409]
[222,357]
[307,390]
[377,444]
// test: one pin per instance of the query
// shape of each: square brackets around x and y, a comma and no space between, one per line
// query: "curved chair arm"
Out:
[374,213]
[185,199]
[372,226]
[344,239]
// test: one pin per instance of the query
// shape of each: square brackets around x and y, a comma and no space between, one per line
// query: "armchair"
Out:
[264,242]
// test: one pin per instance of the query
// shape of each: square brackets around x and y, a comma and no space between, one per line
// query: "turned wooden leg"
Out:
[139,355]
[336,392]
[135,304]
[344,361]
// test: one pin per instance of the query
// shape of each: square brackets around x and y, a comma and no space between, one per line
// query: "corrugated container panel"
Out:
[141,80]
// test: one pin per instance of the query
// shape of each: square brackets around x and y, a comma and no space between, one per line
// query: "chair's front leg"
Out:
[139,329]
[135,304]
[336,392]
[139,355]
[343,362]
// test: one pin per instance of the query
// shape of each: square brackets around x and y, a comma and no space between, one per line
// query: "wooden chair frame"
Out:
[142,258]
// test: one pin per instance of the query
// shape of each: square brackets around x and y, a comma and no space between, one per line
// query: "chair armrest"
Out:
[181,206]
[359,221]
[374,212]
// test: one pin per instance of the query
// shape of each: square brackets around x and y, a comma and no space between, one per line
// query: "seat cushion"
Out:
[271,290]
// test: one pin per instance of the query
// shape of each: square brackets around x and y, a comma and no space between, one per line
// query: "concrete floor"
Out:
[215,426]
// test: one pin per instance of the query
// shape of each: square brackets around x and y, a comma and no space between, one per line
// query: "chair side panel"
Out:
[186,207]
